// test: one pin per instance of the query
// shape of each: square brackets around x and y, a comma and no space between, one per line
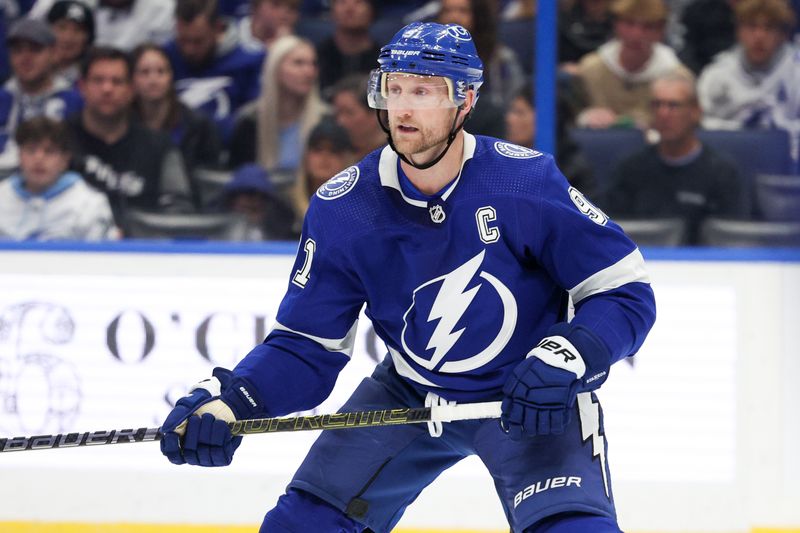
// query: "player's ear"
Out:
[469,101]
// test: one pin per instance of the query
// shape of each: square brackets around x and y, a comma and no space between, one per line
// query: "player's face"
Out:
[675,113]
[760,40]
[41,164]
[521,122]
[152,76]
[298,70]
[420,113]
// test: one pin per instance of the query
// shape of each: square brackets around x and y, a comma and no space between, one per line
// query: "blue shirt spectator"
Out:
[33,90]
[213,72]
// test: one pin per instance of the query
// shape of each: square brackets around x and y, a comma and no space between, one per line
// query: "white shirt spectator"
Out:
[69,209]
[734,95]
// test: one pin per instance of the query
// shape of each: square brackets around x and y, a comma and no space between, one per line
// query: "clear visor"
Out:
[400,90]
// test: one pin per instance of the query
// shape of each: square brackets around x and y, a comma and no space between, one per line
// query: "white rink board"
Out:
[104,341]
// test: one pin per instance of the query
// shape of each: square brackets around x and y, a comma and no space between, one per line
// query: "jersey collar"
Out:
[387,169]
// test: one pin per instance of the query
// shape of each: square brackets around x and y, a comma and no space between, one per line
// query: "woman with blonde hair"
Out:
[272,130]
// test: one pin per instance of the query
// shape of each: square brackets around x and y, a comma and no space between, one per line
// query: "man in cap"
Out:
[34,89]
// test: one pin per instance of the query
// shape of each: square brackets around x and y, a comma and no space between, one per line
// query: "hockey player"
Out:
[466,251]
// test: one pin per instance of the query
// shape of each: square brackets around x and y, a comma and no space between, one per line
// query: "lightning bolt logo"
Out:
[450,304]
[590,428]
[452,301]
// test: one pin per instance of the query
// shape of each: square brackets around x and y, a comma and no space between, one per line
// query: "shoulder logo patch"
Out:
[587,208]
[339,185]
[515,151]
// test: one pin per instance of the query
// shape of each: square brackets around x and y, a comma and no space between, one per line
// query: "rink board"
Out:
[702,436]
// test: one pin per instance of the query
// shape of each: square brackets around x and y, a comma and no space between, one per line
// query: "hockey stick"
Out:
[357,419]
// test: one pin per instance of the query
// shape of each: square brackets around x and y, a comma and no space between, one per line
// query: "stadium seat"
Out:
[212,226]
[743,234]
[753,152]
[605,148]
[655,231]
[209,183]
[778,197]
[519,36]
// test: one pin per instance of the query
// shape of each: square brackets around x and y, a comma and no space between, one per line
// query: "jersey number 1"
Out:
[301,276]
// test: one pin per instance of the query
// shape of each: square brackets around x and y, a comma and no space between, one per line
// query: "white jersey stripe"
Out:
[344,345]
[629,269]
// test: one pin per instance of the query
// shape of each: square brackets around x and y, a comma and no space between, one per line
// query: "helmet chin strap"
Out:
[454,129]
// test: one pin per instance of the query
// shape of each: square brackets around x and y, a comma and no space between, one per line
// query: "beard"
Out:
[421,139]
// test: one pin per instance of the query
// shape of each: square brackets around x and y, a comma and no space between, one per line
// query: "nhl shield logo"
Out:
[437,213]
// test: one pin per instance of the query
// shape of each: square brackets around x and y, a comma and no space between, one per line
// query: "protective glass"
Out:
[400,90]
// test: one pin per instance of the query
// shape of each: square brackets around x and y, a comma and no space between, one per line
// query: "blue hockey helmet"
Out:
[429,49]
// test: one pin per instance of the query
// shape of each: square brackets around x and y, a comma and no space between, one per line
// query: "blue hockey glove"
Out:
[540,395]
[197,432]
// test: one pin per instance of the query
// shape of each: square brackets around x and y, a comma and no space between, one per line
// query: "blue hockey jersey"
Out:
[460,287]
[218,89]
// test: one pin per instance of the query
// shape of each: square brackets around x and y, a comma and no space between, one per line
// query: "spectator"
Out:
[252,195]
[679,176]
[502,74]
[213,73]
[34,89]
[583,26]
[45,201]
[350,49]
[328,151]
[157,106]
[617,76]
[273,129]
[521,129]
[349,99]
[709,28]
[72,23]
[136,167]
[750,85]
[268,20]
[125,24]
